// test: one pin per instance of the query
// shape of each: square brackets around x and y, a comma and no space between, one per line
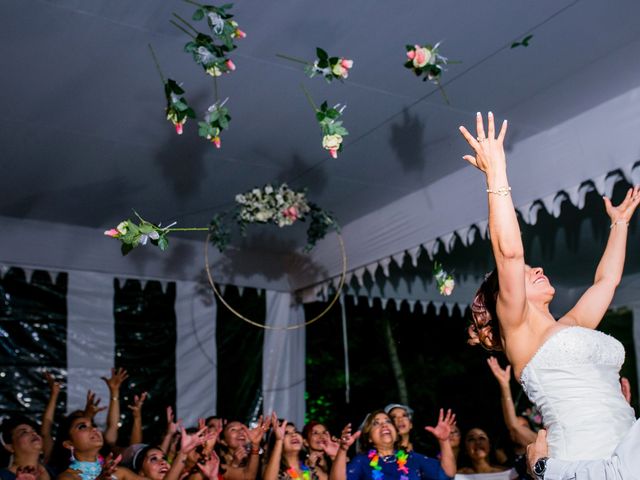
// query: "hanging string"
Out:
[155,60]
[345,344]
[308,95]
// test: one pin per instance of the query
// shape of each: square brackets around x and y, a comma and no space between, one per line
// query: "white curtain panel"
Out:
[90,337]
[196,352]
[283,367]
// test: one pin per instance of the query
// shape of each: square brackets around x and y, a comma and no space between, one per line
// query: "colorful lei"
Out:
[401,461]
[306,472]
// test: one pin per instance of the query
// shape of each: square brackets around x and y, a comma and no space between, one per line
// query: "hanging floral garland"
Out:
[278,205]
[330,68]
[425,60]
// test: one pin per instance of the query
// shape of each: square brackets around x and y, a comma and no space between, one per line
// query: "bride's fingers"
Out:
[503,131]
[472,160]
[480,126]
[469,138]
[491,129]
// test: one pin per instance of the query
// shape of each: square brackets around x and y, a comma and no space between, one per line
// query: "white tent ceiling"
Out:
[84,139]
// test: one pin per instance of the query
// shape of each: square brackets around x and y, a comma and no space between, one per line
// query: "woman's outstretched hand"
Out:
[489,149]
[442,430]
[624,211]
[503,376]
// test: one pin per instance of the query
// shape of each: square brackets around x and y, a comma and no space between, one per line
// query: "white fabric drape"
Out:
[283,369]
[636,337]
[196,353]
[90,336]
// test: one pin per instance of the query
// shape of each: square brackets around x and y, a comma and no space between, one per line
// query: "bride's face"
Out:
[537,285]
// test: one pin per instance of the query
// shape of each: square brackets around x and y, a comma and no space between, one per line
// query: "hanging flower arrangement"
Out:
[216,120]
[219,21]
[330,68]
[278,205]
[444,280]
[425,60]
[332,129]
[178,110]
[133,234]
[330,124]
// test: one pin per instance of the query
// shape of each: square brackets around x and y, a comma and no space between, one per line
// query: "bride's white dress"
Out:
[574,380]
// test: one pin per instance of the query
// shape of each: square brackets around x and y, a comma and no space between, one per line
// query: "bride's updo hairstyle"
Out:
[484,328]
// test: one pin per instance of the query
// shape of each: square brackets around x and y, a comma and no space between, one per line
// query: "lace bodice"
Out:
[574,380]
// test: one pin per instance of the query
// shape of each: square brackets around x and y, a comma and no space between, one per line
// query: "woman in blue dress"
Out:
[383,461]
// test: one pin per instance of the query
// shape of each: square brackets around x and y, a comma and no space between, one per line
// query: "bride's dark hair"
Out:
[484,328]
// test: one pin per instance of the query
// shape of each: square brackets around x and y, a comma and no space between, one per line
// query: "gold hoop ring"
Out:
[267,327]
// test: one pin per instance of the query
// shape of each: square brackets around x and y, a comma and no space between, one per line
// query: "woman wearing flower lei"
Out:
[383,460]
[286,454]
[321,448]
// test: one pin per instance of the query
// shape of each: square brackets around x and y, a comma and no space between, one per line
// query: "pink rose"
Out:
[346,63]
[240,33]
[216,141]
[230,65]
[178,128]
[113,233]
[411,54]
[333,152]
[291,213]
[422,57]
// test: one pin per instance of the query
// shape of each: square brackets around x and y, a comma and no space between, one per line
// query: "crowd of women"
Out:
[270,449]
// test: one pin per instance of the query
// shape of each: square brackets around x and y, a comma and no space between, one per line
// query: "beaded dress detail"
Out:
[574,380]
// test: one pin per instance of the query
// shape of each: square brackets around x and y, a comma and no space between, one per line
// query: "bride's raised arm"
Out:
[503,223]
[594,303]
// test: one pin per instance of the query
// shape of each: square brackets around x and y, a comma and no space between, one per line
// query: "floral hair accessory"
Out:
[219,21]
[331,68]
[426,60]
[444,280]
[216,120]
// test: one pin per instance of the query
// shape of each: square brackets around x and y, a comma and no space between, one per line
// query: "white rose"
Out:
[268,189]
[331,142]
[339,71]
[240,198]
[122,228]
[256,191]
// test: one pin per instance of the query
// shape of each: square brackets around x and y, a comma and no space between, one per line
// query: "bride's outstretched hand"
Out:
[624,211]
[489,149]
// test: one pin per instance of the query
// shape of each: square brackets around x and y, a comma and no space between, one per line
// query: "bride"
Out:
[566,367]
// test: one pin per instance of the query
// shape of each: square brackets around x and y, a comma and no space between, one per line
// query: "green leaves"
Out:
[522,43]
[215,121]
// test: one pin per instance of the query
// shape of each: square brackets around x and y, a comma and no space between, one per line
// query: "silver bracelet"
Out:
[502,191]
[619,222]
